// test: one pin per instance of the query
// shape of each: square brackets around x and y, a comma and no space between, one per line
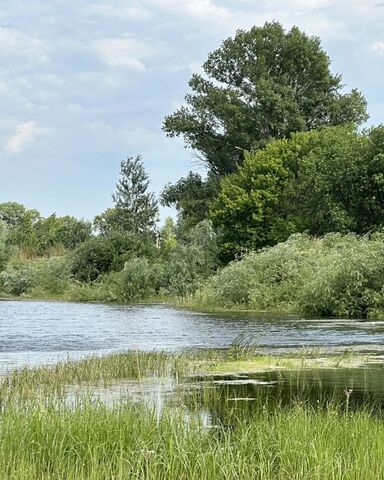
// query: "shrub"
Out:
[4,249]
[93,257]
[336,275]
[41,276]
[190,262]
[16,281]
[139,279]
[51,275]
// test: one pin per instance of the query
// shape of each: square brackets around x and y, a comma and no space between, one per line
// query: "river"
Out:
[35,332]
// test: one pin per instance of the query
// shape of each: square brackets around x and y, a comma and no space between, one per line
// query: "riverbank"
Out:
[335,276]
[190,302]
[185,303]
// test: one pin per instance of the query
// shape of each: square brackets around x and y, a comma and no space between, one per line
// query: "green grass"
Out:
[45,437]
[104,370]
[92,441]
[93,370]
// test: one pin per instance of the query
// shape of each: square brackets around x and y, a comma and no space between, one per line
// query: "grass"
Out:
[93,442]
[137,365]
[43,437]
[92,370]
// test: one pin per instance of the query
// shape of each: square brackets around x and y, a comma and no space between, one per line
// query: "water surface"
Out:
[33,332]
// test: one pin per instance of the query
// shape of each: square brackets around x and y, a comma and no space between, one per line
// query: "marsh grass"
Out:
[94,370]
[207,433]
[132,441]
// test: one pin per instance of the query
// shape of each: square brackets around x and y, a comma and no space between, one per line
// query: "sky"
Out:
[84,84]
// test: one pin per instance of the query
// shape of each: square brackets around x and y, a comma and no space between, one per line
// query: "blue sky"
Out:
[84,84]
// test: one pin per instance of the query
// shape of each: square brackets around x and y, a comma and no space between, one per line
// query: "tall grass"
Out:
[199,436]
[336,275]
[92,441]
[95,370]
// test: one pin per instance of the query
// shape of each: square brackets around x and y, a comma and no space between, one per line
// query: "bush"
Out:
[347,280]
[106,253]
[38,277]
[51,275]
[16,281]
[4,249]
[139,279]
[190,262]
[336,275]
[93,257]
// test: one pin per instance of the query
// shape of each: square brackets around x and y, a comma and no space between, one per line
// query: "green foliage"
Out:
[66,231]
[318,181]
[28,230]
[131,245]
[58,422]
[4,249]
[93,257]
[41,277]
[337,275]
[167,237]
[109,253]
[20,224]
[70,231]
[203,237]
[262,84]
[191,196]
[13,213]
[182,269]
[135,209]
[139,279]
[16,280]
[247,208]
[337,180]
[192,261]
[113,220]
[51,275]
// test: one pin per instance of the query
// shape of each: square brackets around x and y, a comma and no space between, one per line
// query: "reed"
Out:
[92,441]
[203,433]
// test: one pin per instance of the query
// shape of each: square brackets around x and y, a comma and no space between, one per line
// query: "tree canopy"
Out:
[28,229]
[320,181]
[191,196]
[260,85]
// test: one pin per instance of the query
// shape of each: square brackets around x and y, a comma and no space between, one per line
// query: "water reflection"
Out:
[229,397]
[223,399]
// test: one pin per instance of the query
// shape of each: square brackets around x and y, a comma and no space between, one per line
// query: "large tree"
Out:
[262,84]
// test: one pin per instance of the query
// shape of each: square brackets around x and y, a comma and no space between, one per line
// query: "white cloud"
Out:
[121,52]
[378,47]
[135,12]
[25,134]
[14,42]
[201,9]
[225,19]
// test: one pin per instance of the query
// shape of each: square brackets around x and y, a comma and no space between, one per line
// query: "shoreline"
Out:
[171,302]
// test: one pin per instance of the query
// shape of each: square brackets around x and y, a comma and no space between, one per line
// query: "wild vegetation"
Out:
[288,217]
[44,433]
[335,275]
